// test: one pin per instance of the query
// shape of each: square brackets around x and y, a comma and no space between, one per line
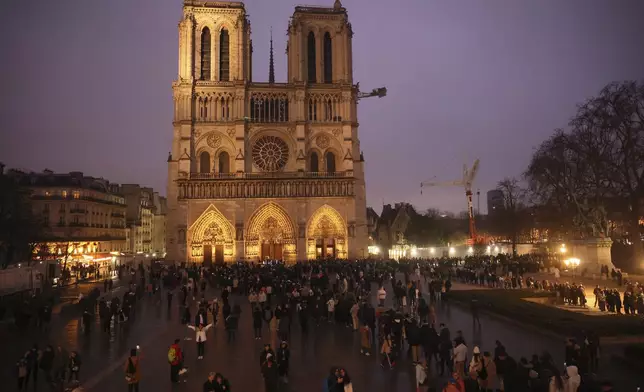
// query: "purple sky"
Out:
[86,85]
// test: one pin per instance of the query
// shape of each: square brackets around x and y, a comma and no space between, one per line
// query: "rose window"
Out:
[270,153]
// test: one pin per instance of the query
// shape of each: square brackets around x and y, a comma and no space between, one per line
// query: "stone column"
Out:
[319,56]
[190,48]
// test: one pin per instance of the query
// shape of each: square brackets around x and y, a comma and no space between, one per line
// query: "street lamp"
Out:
[562,252]
[572,262]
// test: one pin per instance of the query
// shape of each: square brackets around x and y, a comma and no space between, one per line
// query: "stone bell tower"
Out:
[319,45]
[215,64]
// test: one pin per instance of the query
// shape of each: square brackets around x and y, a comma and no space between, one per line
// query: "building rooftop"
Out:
[72,180]
[337,8]
[214,4]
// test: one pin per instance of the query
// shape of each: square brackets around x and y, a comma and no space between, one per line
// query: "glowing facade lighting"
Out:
[373,250]
[452,250]
[432,250]
[488,249]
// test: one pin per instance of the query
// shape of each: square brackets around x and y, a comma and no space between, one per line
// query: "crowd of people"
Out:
[313,294]
[337,292]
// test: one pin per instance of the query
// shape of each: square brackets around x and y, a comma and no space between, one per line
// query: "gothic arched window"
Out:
[224,56]
[330,162]
[205,54]
[328,58]
[310,46]
[224,162]
[314,165]
[204,162]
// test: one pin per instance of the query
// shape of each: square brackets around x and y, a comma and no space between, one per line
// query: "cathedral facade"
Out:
[264,170]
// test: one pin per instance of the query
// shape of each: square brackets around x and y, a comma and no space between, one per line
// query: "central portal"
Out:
[325,248]
[272,251]
[271,235]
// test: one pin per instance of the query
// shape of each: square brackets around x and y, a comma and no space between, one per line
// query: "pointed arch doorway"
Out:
[326,234]
[211,238]
[271,234]
[272,240]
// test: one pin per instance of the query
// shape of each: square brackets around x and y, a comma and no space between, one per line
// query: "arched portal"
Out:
[271,234]
[211,238]
[326,234]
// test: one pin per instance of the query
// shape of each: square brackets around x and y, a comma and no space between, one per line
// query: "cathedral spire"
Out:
[271,64]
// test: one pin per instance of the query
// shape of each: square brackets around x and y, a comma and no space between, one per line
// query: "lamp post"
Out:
[562,251]
[572,262]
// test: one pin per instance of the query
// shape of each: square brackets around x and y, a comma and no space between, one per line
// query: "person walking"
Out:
[355,309]
[382,295]
[271,375]
[474,307]
[61,358]
[22,370]
[232,322]
[132,371]
[257,322]
[175,358]
[74,366]
[460,355]
[47,363]
[365,342]
[283,357]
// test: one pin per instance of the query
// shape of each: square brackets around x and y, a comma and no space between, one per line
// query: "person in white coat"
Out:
[200,338]
[573,380]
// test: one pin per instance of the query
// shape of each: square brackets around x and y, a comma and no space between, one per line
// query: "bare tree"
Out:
[512,215]
[599,162]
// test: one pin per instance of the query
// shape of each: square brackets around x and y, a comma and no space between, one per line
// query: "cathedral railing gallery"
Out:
[243,175]
[265,188]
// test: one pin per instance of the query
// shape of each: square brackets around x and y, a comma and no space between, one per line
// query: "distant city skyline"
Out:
[86,85]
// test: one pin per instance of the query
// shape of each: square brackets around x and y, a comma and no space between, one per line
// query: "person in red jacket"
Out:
[175,358]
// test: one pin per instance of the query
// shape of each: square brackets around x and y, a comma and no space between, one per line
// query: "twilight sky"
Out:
[86,85]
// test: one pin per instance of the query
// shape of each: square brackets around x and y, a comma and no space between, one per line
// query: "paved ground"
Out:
[154,330]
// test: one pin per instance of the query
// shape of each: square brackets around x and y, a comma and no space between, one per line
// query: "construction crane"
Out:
[466,182]
[376,92]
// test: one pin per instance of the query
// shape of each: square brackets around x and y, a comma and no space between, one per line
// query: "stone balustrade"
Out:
[266,187]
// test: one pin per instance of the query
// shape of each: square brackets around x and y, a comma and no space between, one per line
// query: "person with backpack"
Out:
[175,358]
[132,371]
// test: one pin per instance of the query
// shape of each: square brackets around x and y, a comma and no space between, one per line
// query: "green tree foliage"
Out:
[19,228]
